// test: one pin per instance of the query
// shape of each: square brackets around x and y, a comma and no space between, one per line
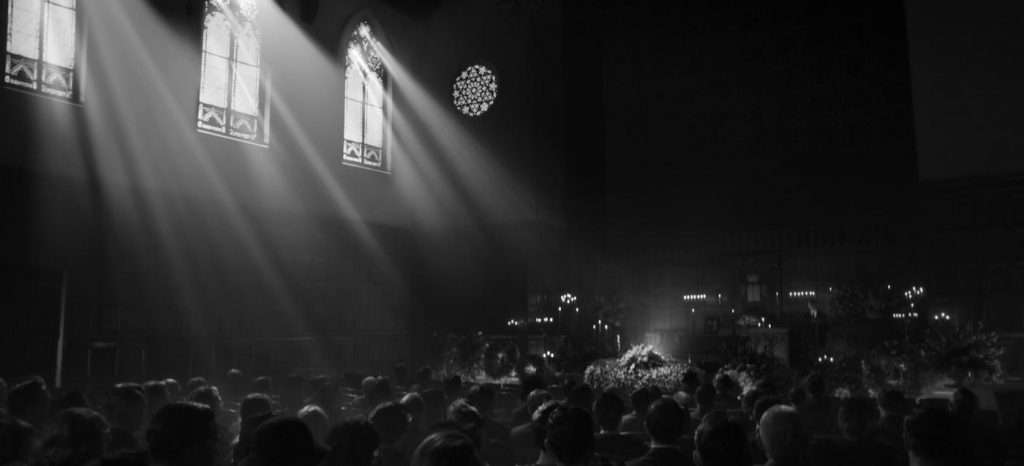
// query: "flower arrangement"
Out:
[964,353]
[640,366]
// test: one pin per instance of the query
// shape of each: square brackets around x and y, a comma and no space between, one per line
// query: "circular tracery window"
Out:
[475,90]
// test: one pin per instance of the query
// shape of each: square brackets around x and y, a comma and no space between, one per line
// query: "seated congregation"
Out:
[319,422]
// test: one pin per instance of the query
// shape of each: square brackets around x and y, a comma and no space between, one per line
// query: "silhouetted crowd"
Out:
[321,422]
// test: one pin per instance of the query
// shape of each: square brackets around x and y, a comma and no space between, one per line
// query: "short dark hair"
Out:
[76,436]
[286,440]
[18,435]
[539,422]
[705,395]
[797,396]
[126,406]
[530,383]
[666,421]
[891,399]
[581,396]
[254,404]
[353,443]
[179,426]
[721,442]
[390,420]
[25,395]
[723,383]
[570,434]
[964,401]
[445,448]
[207,395]
[763,404]
[928,434]
[262,384]
[640,399]
[608,409]
[855,416]
[816,386]
[481,397]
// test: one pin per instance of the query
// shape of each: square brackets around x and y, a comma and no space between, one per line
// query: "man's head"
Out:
[855,417]
[316,419]
[781,433]
[609,409]
[452,386]
[446,448]
[705,397]
[666,421]
[391,422]
[464,417]
[126,407]
[482,398]
[30,402]
[75,436]
[537,398]
[720,442]
[528,384]
[207,395]
[763,404]
[641,400]
[233,382]
[816,386]
[690,381]
[581,396]
[539,423]
[254,404]
[570,435]
[892,402]
[157,395]
[963,404]
[286,441]
[724,384]
[262,384]
[928,435]
[183,433]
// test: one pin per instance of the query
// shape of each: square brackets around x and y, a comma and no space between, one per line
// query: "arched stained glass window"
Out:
[231,91]
[365,132]
[41,47]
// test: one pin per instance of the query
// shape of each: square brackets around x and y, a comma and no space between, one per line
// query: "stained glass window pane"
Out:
[247,49]
[374,126]
[353,120]
[60,37]
[353,83]
[214,86]
[218,35]
[23,28]
[247,82]
[374,92]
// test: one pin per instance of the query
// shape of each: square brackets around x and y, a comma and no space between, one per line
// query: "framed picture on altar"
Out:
[711,326]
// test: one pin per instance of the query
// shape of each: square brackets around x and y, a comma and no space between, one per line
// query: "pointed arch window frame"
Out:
[353,151]
[227,120]
[40,72]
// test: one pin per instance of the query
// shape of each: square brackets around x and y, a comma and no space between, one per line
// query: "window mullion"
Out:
[44,11]
[231,81]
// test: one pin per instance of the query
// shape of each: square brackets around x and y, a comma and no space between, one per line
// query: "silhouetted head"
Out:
[183,433]
[782,433]
[609,409]
[353,443]
[446,448]
[570,435]
[928,435]
[391,422]
[666,421]
[720,442]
